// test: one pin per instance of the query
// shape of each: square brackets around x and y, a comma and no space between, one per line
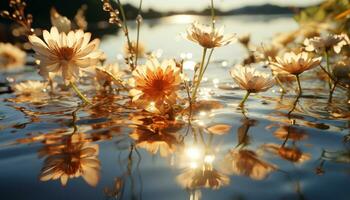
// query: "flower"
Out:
[268,52]
[295,64]
[251,80]
[30,88]
[285,38]
[320,45]
[65,53]
[155,85]
[11,56]
[247,162]
[244,39]
[72,158]
[202,178]
[140,50]
[207,36]
[103,74]
[62,23]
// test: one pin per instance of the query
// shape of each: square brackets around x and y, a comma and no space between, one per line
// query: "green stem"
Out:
[208,60]
[241,104]
[299,85]
[197,83]
[82,97]
[328,68]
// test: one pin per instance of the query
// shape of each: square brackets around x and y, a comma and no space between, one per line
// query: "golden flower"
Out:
[11,56]
[207,36]
[268,52]
[65,53]
[244,39]
[292,154]
[30,88]
[72,158]
[320,45]
[247,162]
[295,64]
[62,23]
[285,38]
[155,85]
[102,74]
[251,80]
[202,178]
[140,51]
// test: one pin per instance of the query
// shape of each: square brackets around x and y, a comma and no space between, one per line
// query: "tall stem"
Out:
[138,21]
[328,68]
[241,104]
[212,14]
[82,97]
[299,85]
[197,83]
[332,91]
[125,26]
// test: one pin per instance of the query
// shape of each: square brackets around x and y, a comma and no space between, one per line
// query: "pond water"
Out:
[223,154]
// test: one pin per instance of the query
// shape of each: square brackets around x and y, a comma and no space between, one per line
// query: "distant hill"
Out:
[95,14]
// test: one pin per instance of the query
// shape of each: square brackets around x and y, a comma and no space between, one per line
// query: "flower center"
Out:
[66,53]
[6,59]
[159,84]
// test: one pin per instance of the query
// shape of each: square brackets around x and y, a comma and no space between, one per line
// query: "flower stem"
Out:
[241,104]
[125,27]
[138,32]
[212,14]
[280,84]
[82,97]
[197,83]
[328,68]
[299,85]
[332,91]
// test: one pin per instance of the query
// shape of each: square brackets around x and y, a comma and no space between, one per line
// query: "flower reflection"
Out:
[247,162]
[199,169]
[206,177]
[72,158]
[292,154]
[156,134]
[290,132]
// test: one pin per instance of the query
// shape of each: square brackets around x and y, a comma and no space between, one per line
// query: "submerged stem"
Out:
[332,91]
[82,97]
[197,83]
[241,104]
[299,85]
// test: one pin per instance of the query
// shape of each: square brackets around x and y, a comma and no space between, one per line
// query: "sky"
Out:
[169,5]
